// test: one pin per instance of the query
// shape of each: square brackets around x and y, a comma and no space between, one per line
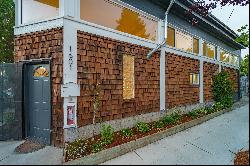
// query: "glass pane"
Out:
[128,77]
[41,72]
[191,78]
[210,51]
[222,56]
[196,79]
[36,10]
[184,41]
[196,46]
[204,48]
[171,37]
[108,14]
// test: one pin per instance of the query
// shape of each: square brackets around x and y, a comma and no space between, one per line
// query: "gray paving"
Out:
[46,156]
[212,143]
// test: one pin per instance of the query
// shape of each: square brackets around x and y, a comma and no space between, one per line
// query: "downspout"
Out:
[165,36]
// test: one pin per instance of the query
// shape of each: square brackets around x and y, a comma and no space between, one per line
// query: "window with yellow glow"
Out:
[184,41]
[224,56]
[196,46]
[36,10]
[171,37]
[112,15]
[128,77]
[41,72]
[194,79]
[209,50]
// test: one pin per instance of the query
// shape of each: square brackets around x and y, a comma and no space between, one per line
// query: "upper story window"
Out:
[111,15]
[229,58]
[171,37]
[196,46]
[36,10]
[224,56]
[209,50]
[183,41]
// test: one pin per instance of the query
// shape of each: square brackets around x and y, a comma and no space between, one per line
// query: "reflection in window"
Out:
[224,56]
[41,72]
[128,77]
[208,50]
[194,79]
[196,46]
[184,41]
[171,37]
[36,10]
[111,15]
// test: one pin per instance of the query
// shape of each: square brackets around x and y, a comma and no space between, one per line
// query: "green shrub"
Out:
[159,124]
[76,149]
[126,133]
[176,116]
[223,89]
[193,114]
[171,119]
[167,120]
[142,127]
[97,147]
[107,134]
[218,106]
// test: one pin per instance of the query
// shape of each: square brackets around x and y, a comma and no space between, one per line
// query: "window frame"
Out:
[192,80]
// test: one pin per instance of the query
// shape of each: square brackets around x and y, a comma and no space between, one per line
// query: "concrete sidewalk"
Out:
[46,156]
[213,142]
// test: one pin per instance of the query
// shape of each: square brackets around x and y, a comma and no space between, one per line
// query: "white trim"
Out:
[39,26]
[18,13]
[201,77]
[70,67]
[161,32]
[110,33]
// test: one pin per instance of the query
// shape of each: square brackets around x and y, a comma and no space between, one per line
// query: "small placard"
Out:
[70,90]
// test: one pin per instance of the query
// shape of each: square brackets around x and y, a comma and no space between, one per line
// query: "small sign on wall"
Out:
[70,114]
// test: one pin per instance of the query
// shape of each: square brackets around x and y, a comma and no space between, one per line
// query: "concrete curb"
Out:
[117,151]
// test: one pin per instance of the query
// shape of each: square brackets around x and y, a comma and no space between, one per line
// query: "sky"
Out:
[239,17]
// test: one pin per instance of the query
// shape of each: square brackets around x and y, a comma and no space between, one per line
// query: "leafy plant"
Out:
[159,124]
[126,133]
[107,134]
[76,149]
[176,116]
[223,89]
[167,120]
[193,114]
[97,147]
[142,127]
[171,119]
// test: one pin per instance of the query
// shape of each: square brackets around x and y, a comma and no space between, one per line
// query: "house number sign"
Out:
[70,58]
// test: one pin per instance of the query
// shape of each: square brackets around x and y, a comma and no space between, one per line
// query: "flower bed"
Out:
[108,138]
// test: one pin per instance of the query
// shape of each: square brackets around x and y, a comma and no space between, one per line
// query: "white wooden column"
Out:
[201,72]
[70,8]
[70,89]
[18,13]
[161,38]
